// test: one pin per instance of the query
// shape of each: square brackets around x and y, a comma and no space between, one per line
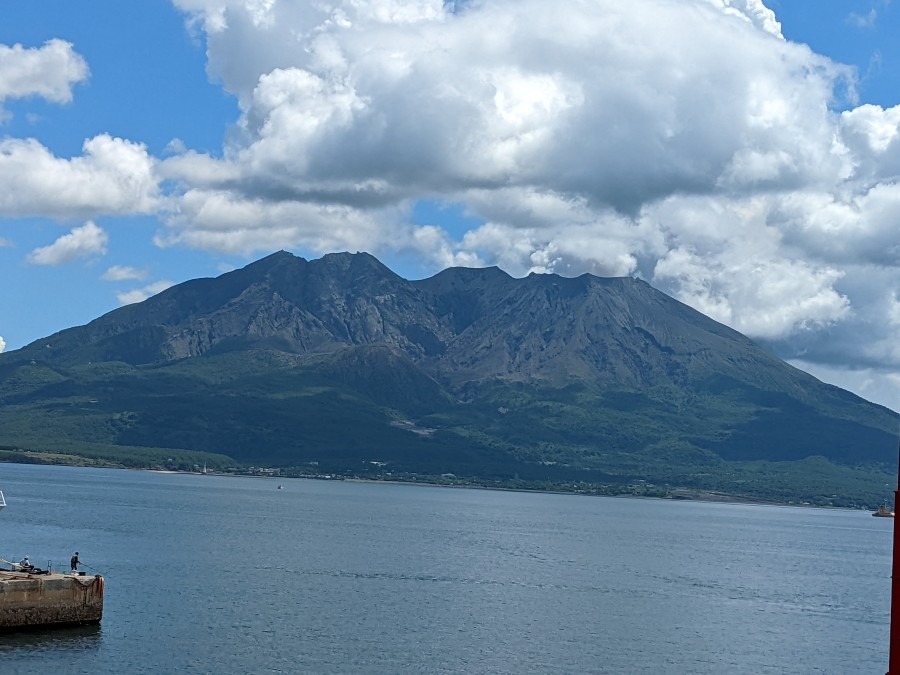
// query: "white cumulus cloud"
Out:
[48,72]
[87,240]
[112,176]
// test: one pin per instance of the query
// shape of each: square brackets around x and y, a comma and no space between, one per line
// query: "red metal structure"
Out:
[894,663]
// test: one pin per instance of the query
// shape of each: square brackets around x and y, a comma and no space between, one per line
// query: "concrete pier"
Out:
[35,600]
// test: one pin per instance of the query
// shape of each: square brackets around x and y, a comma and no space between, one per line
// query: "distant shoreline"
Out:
[671,494]
[707,497]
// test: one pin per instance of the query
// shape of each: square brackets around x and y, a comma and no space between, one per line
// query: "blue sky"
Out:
[741,156]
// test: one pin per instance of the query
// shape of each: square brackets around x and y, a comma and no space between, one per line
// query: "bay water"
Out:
[221,574]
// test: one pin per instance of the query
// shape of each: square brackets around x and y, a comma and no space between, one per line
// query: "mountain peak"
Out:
[347,260]
[271,261]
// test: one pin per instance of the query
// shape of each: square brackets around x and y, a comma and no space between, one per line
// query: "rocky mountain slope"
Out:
[340,363]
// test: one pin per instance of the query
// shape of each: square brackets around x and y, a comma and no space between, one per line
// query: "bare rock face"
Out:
[460,326]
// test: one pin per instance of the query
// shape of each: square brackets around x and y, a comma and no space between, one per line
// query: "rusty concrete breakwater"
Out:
[34,600]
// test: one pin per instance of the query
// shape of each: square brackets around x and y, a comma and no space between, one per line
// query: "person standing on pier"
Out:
[74,562]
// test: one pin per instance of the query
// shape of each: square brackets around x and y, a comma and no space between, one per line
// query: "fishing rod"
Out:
[81,564]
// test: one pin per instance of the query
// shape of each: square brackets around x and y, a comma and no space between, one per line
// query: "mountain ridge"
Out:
[332,360]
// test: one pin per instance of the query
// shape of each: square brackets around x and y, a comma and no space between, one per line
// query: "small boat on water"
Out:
[2,500]
[884,511]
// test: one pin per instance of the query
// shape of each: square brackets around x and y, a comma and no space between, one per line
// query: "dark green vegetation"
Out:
[340,366]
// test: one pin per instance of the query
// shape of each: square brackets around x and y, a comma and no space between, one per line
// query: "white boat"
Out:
[2,500]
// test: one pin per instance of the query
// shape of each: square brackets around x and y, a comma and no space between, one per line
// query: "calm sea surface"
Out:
[208,574]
